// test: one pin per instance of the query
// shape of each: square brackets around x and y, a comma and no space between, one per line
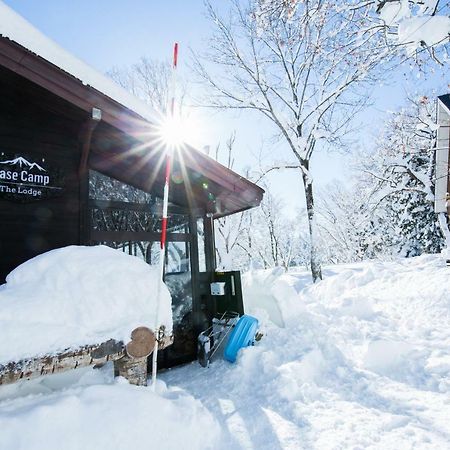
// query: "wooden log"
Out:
[133,369]
[133,366]
[27,369]
[98,354]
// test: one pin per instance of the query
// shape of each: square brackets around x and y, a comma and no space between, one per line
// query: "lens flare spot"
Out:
[177,177]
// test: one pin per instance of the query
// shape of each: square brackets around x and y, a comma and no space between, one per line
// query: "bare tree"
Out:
[278,239]
[262,237]
[231,231]
[304,66]
[150,80]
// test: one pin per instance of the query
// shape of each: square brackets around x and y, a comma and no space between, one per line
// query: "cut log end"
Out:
[142,343]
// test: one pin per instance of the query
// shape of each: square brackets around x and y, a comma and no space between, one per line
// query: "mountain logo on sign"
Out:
[21,162]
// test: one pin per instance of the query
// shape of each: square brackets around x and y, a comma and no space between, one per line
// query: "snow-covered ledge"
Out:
[133,368]
[80,306]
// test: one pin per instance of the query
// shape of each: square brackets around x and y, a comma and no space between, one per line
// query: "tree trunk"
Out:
[316,269]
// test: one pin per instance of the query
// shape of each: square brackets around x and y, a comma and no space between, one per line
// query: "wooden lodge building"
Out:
[79,165]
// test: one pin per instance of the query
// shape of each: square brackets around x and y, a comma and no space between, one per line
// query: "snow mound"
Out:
[383,315]
[383,356]
[76,296]
[269,295]
[362,361]
[104,414]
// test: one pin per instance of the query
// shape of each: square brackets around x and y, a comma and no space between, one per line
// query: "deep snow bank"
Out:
[75,296]
[362,361]
[98,413]
[269,295]
[391,318]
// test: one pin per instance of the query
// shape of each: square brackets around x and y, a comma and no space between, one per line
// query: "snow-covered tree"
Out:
[401,177]
[263,237]
[389,210]
[304,67]
[421,27]
[349,229]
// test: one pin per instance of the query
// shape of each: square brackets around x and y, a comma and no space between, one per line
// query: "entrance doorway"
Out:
[135,228]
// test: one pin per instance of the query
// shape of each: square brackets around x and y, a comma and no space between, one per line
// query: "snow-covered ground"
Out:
[360,360]
[363,362]
[88,410]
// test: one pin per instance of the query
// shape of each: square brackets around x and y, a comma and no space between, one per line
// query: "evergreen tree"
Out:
[401,173]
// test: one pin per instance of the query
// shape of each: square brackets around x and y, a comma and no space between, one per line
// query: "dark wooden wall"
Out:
[38,125]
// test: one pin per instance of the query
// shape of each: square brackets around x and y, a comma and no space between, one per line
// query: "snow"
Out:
[417,22]
[430,29]
[76,296]
[394,12]
[97,412]
[359,360]
[268,295]
[19,30]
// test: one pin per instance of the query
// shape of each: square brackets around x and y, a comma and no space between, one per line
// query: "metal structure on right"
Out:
[442,185]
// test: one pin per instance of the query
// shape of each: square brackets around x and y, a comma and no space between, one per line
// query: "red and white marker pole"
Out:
[169,155]
[162,257]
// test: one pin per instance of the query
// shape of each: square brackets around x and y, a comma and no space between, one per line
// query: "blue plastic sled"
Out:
[242,336]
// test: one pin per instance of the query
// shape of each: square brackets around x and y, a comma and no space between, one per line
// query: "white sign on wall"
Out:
[22,179]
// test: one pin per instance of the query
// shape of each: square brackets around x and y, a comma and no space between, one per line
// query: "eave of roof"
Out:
[17,29]
[445,100]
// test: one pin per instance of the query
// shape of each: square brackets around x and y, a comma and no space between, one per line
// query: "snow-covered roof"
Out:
[16,28]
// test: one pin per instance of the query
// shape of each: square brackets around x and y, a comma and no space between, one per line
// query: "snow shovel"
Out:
[243,335]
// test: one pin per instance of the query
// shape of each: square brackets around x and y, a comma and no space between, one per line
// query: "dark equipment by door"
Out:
[230,299]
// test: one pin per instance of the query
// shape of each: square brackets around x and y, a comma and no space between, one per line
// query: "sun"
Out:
[176,131]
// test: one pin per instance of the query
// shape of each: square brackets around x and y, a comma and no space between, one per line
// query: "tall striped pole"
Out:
[169,155]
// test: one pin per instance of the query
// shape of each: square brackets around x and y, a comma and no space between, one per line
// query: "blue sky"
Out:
[117,33]
[104,33]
